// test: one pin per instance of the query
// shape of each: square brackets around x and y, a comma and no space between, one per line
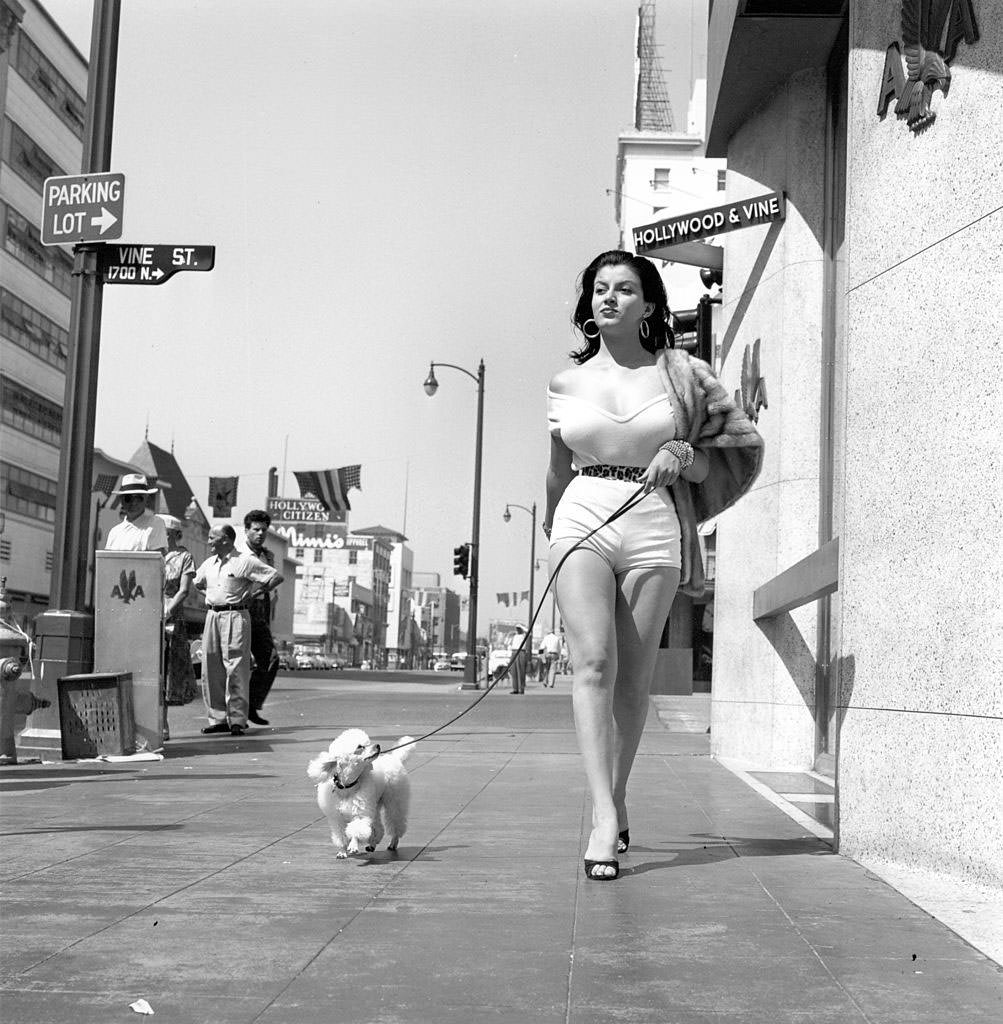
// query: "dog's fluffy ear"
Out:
[320,768]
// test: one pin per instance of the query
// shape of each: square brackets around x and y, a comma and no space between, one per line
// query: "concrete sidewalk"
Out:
[206,885]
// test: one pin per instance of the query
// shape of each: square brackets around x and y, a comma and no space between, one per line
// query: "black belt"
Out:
[227,607]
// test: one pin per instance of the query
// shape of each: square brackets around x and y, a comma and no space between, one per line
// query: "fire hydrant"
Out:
[16,703]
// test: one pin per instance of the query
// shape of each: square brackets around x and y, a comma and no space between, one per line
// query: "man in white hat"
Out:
[141,529]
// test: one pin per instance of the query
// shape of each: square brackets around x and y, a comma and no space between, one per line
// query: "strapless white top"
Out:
[597,436]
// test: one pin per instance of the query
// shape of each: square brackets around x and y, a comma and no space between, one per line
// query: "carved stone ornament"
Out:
[751,397]
[931,32]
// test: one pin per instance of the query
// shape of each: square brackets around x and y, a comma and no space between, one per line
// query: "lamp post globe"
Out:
[431,385]
[506,515]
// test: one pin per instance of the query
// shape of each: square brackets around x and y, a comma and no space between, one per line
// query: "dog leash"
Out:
[499,674]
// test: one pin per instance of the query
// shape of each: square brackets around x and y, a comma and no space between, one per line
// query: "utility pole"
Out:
[65,633]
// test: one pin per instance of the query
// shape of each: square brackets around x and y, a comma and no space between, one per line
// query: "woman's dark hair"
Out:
[660,330]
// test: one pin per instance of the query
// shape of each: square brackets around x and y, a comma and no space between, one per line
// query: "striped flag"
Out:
[105,483]
[331,486]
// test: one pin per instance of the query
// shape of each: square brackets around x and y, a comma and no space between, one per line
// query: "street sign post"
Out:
[82,208]
[152,264]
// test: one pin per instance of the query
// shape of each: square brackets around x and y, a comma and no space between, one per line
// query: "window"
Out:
[22,240]
[27,159]
[722,180]
[660,181]
[4,550]
[353,557]
[28,493]
[30,412]
[35,68]
[29,329]
[299,554]
[318,554]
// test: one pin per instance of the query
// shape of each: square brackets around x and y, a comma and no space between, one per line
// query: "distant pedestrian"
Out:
[550,653]
[520,660]
[140,529]
[229,578]
[179,572]
[266,658]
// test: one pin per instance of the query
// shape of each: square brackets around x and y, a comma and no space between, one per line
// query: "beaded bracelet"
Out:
[682,450]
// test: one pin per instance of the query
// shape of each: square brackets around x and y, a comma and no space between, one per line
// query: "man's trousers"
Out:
[226,666]
[266,662]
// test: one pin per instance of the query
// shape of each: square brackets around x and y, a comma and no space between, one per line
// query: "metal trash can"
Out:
[95,714]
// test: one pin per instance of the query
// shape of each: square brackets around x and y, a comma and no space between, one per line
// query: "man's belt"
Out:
[227,607]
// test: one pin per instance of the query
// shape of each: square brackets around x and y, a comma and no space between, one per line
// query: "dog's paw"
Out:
[353,846]
[370,849]
[341,855]
[392,845]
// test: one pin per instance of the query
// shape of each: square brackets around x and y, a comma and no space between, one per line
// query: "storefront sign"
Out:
[931,32]
[691,227]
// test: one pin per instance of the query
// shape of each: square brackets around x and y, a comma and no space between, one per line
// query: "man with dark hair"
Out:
[230,579]
[266,658]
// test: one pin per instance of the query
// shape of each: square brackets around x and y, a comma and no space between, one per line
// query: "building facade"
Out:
[43,80]
[859,598]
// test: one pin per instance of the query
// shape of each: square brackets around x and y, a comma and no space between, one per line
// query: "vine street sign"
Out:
[82,208]
[152,264]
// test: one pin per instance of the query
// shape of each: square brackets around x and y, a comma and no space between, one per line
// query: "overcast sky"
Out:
[385,183]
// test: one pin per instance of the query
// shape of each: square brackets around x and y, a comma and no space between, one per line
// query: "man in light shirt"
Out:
[230,579]
[550,648]
[140,530]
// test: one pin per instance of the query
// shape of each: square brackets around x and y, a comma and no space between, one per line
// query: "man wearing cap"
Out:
[230,579]
[140,530]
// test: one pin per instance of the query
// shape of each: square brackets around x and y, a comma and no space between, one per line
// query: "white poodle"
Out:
[363,794]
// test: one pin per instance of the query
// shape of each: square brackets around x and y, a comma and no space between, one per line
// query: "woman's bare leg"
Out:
[643,600]
[586,595]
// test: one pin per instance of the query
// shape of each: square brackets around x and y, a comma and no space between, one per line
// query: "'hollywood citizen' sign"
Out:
[690,227]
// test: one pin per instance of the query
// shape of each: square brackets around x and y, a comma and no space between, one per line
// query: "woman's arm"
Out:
[559,475]
[174,603]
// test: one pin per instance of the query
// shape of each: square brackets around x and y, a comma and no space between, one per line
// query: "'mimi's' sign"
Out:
[691,227]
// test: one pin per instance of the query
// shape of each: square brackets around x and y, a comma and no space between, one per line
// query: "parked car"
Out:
[458,662]
[304,661]
[441,665]
[366,665]
[286,661]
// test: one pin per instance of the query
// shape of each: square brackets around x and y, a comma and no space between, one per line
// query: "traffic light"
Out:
[461,560]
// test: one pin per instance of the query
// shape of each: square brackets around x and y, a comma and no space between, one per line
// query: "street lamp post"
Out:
[507,515]
[431,385]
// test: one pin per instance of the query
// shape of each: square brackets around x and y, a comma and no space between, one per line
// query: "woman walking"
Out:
[632,412]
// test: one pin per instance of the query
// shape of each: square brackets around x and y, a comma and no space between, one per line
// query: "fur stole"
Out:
[708,419]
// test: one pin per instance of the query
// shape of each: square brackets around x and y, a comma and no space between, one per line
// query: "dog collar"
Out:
[338,785]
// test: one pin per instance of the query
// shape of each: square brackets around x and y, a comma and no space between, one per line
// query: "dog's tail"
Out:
[398,756]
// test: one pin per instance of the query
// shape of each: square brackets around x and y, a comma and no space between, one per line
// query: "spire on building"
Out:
[652,109]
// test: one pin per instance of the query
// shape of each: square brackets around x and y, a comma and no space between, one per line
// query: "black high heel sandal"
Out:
[623,841]
[590,864]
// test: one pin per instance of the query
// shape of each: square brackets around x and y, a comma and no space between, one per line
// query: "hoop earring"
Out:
[644,330]
[591,337]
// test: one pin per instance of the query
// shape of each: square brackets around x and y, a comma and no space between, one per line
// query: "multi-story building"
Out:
[400,625]
[43,79]
[342,589]
[437,610]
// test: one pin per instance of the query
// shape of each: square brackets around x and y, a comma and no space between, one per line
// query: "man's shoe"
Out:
[218,727]
[238,730]
[253,716]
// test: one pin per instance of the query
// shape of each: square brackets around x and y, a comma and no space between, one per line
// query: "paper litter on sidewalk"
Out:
[141,1006]
[145,755]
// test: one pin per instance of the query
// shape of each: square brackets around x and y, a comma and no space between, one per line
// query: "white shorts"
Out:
[646,536]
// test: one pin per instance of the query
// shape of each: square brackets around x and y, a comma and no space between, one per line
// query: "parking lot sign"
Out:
[82,208]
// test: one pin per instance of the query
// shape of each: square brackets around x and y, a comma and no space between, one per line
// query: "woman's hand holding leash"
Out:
[669,461]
